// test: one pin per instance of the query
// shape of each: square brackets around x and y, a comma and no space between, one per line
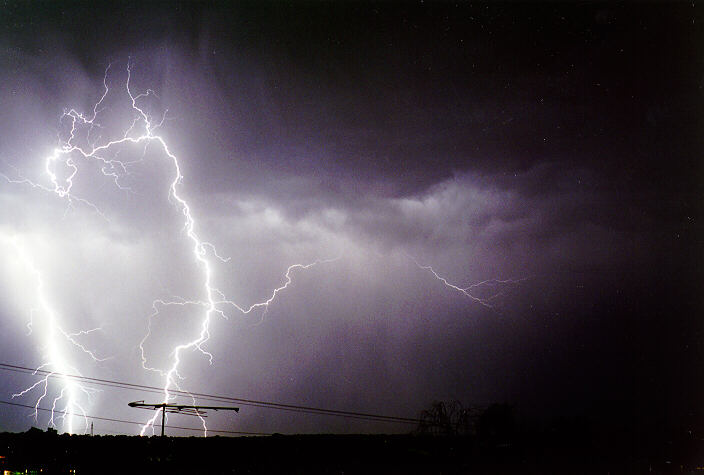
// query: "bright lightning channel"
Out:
[45,321]
[142,131]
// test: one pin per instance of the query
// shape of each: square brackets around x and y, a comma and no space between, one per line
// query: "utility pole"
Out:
[179,409]
[91,428]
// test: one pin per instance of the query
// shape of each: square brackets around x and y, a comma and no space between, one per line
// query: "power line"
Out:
[212,397]
[248,402]
[130,422]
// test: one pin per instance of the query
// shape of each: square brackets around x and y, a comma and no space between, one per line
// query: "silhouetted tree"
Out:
[447,419]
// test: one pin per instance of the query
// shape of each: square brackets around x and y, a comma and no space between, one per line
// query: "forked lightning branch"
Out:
[83,141]
[86,140]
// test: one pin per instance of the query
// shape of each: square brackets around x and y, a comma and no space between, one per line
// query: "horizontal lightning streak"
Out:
[467,290]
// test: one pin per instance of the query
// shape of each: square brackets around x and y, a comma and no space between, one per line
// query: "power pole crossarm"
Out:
[185,409]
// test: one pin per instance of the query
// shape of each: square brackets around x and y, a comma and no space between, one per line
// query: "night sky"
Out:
[558,145]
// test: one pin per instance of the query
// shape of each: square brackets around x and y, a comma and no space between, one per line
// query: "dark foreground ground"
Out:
[47,452]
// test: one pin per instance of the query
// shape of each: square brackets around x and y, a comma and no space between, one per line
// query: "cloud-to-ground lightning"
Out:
[83,140]
[86,139]
[56,344]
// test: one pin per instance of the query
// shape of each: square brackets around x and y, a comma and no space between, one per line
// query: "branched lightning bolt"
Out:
[212,306]
[46,321]
[61,191]
[467,291]
[83,143]
[83,140]
[265,304]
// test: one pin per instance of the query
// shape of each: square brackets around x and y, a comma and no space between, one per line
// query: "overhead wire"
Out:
[109,419]
[212,397]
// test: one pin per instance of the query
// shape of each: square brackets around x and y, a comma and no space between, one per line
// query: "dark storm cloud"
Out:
[557,143]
